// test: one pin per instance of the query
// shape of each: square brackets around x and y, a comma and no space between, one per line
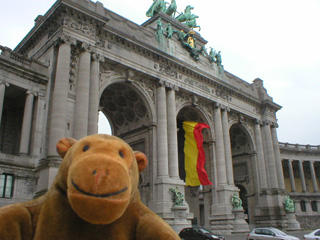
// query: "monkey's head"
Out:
[100,175]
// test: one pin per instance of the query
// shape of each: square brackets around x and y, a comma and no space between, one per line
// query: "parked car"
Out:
[313,235]
[269,233]
[198,233]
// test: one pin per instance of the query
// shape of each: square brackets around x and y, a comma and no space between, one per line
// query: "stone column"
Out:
[3,86]
[94,94]
[82,94]
[162,135]
[60,96]
[291,174]
[276,150]
[220,150]
[26,124]
[260,156]
[227,146]
[172,133]
[303,181]
[37,139]
[270,156]
[313,176]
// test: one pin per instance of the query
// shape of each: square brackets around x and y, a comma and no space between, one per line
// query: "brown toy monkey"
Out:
[94,196]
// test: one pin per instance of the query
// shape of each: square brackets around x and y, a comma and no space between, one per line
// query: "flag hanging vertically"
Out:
[194,156]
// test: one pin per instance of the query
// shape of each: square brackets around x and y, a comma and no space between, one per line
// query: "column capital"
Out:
[85,47]
[34,93]
[217,105]
[225,108]
[162,83]
[274,125]
[4,83]
[257,122]
[265,123]
[66,39]
[97,56]
[173,87]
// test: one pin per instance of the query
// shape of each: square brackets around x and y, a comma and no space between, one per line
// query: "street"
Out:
[298,234]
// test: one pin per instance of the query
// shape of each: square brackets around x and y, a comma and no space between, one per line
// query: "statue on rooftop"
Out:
[212,55]
[189,42]
[159,31]
[188,19]
[157,6]
[169,31]
[218,58]
[172,9]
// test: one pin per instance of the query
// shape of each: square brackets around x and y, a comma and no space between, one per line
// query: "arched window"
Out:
[314,206]
[6,185]
[303,206]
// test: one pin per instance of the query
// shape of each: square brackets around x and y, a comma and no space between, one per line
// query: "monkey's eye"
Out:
[121,154]
[85,148]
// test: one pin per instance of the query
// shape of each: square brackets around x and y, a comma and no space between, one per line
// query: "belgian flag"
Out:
[194,156]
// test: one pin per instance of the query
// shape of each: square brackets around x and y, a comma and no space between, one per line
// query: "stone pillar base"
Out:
[181,218]
[240,225]
[178,217]
[292,224]
[222,224]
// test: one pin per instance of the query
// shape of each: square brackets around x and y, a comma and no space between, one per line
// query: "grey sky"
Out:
[275,40]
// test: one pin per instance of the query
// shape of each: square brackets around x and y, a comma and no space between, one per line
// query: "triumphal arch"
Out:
[80,58]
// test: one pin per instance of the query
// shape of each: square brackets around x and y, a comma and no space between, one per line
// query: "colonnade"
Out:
[24,146]
[302,175]
[3,86]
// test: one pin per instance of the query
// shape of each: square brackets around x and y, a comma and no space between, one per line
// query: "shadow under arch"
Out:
[129,111]
[243,159]
[194,195]
[126,107]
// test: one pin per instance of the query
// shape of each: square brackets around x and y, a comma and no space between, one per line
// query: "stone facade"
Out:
[81,58]
[301,166]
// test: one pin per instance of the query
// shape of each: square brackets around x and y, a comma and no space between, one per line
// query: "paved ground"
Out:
[244,236]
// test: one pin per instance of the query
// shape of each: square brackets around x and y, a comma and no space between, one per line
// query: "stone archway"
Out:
[129,116]
[124,108]
[243,167]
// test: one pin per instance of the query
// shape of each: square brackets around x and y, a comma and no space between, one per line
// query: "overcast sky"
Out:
[277,41]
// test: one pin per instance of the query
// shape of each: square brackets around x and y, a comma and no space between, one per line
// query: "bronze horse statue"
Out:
[192,23]
[171,10]
[157,6]
[186,16]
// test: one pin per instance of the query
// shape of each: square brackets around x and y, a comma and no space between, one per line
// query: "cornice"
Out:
[60,8]
[21,66]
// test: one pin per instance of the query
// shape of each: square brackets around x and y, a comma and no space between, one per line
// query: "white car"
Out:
[315,235]
[269,233]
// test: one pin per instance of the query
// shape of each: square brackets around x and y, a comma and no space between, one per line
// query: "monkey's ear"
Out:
[141,160]
[64,145]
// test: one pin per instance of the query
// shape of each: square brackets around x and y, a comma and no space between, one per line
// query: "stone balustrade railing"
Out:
[299,147]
